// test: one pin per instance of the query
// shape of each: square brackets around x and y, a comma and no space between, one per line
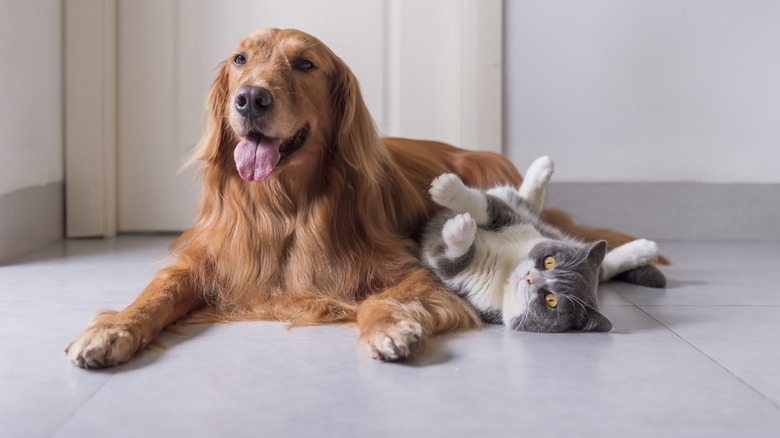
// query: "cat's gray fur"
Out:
[489,247]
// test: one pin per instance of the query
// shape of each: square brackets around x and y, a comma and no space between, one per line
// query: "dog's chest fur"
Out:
[318,251]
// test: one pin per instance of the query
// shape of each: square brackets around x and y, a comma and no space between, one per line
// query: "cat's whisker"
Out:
[579,301]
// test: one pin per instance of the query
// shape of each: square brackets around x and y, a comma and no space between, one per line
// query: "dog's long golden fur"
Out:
[328,236]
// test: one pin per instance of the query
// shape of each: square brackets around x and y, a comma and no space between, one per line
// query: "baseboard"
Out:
[675,211]
[30,218]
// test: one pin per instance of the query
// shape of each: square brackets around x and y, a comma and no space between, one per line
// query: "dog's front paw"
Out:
[392,340]
[103,344]
[446,189]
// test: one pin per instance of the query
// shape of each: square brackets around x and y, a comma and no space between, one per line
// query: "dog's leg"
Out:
[112,338]
[397,322]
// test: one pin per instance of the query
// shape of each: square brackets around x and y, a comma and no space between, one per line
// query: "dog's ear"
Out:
[217,129]
[355,133]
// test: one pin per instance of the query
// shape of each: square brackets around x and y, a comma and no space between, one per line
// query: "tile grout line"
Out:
[91,396]
[759,393]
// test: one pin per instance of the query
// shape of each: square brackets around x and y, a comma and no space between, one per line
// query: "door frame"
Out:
[90,78]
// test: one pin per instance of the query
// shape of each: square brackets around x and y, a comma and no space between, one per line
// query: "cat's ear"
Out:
[597,251]
[597,322]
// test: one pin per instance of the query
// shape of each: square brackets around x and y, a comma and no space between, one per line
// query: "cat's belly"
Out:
[496,254]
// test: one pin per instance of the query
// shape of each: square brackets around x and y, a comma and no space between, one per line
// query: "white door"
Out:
[427,68]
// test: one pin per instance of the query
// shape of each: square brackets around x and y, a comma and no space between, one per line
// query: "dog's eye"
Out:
[303,64]
[239,59]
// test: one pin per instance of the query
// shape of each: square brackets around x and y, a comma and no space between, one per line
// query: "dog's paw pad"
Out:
[393,341]
[102,346]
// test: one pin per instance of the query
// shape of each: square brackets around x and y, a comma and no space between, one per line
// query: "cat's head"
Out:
[555,290]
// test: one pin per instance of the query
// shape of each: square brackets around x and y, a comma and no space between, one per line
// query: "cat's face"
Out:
[555,290]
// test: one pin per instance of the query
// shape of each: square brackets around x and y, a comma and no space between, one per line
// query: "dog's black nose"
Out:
[252,101]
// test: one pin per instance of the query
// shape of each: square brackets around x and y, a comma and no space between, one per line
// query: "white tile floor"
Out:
[701,358]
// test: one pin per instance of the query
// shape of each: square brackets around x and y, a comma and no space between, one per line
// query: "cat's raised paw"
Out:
[446,189]
[541,170]
[458,234]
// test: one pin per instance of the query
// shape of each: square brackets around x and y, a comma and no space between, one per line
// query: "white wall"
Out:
[31,153]
[30,94]
[645,91]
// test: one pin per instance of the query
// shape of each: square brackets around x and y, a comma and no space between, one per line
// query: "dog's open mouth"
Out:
[258,155]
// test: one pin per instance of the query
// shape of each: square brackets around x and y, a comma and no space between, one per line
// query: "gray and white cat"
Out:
[491,248]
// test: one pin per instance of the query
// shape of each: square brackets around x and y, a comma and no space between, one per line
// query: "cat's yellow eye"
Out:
[549,262]
[551,301]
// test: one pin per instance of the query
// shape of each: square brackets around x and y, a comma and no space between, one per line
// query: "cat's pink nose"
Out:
[532,277]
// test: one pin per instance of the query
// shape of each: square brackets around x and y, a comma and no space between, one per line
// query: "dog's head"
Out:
[282,99]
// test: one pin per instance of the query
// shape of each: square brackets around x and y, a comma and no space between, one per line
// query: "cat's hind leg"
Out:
[535,182]
[626,257]
[449,191]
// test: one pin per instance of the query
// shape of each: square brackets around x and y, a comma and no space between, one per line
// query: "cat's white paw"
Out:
[458,233]
[625,257]
[541,170]
[643,251]
[446,189]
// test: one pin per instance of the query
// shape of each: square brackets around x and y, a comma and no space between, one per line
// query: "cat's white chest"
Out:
[495,258]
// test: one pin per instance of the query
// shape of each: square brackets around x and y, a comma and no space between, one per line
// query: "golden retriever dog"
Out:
[306,214]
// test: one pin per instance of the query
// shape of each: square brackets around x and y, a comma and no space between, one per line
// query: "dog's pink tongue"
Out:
[256,160]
